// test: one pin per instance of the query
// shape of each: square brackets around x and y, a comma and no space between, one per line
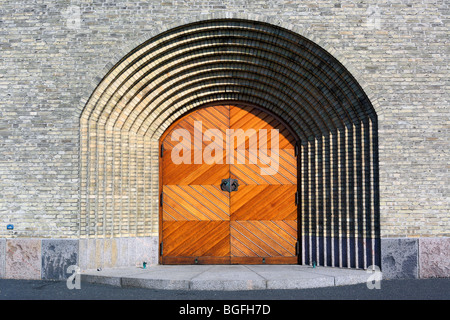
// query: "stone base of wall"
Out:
[118,252]
[400,258]
[23,258]
[412,258]
[434,258]
[26,258]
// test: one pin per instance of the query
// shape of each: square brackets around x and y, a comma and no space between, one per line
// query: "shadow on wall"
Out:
[340,197]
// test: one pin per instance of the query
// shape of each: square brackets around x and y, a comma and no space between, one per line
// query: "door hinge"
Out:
[161,199]
[297,248]
[162,150]
[296,148]
[161,248]
[296,198]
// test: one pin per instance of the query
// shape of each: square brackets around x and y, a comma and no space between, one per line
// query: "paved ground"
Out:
[423,289]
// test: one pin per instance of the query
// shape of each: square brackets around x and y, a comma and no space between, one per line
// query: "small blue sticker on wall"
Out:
[10,227]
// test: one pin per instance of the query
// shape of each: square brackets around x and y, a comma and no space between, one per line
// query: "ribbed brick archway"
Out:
[235,60]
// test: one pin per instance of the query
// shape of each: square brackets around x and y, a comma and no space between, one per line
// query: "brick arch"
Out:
[224,59]
[330,81]
[117,56]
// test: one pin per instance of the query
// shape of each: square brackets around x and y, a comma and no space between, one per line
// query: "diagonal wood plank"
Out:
[262,238]
[284,167]
[210,118]
[196,238]
[194,203]
[244,117]
[193,174]
[272,202]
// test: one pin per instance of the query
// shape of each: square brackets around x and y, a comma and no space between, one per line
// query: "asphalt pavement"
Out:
[53,299]
[414,289]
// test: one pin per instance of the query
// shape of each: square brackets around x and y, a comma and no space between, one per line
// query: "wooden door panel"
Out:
[264,202]
[193,202]
[257,223]
[263,238]
[210,118]
[193,174]
[246,118]
[263,213]
[195,212]
[253,170]
[196,238]
[201,174]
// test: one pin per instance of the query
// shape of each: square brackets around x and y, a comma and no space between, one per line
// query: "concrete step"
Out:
[226,277]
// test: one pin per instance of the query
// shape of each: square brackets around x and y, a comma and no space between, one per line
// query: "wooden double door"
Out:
[237,206]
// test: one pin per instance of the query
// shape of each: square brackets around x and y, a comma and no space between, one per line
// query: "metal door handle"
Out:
[229,185]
